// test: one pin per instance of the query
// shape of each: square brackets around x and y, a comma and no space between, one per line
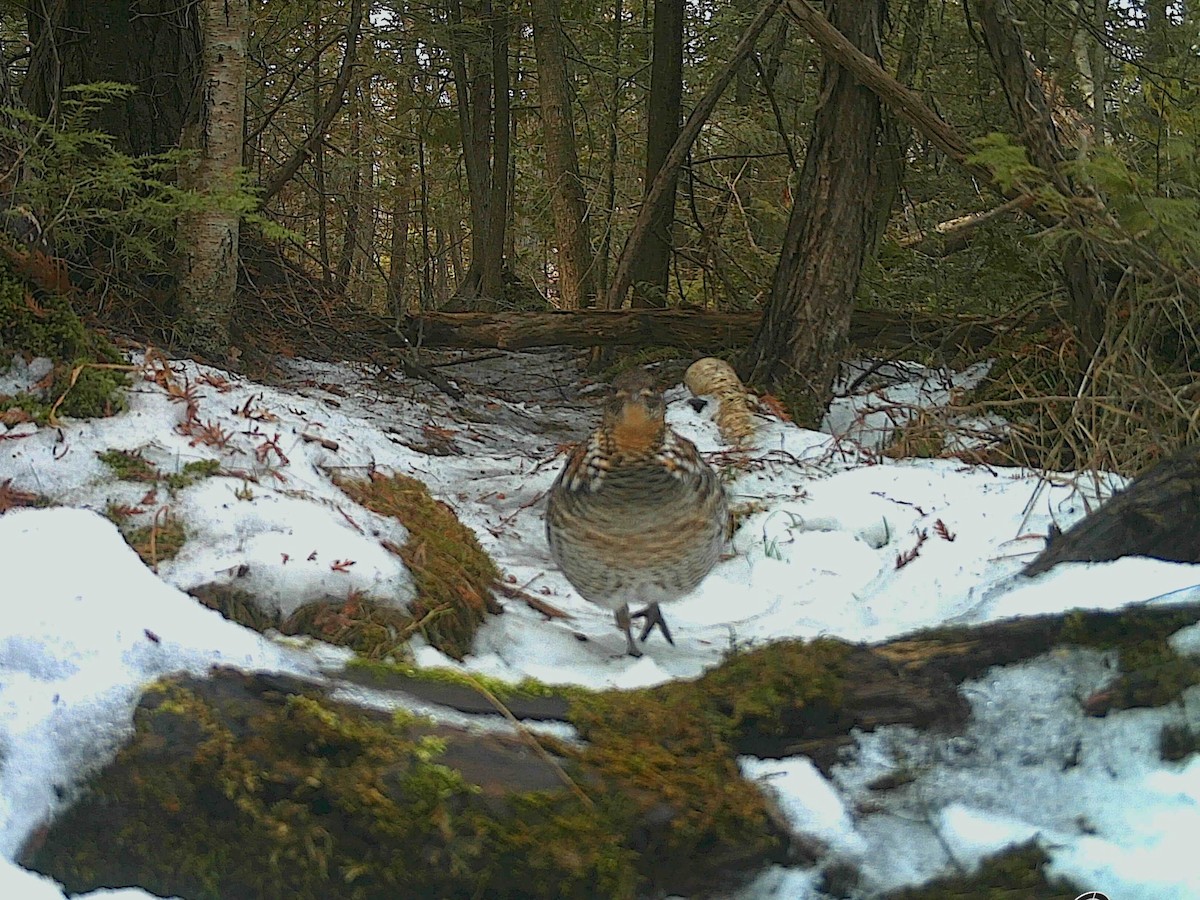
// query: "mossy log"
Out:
[263,786]
[1157,515]
[692,329]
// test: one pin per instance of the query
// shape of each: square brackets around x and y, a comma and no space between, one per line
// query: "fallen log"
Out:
[689,329]
[1157,515]
[265,785]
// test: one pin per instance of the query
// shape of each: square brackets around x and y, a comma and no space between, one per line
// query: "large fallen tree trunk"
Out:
[266,786]
[688,329]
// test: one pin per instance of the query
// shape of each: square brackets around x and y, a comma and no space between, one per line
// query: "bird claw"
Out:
[653,616]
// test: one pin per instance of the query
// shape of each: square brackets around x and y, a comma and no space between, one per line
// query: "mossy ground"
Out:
[453,576]
[164,535]
[130,465]
[40,322]
[1015,874]
[219,797]
[161,540]
[452,573]
[1151,672]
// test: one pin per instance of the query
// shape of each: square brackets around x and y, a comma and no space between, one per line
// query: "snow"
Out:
[834,540]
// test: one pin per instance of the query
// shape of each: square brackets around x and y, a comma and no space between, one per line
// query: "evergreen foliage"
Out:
[84,196]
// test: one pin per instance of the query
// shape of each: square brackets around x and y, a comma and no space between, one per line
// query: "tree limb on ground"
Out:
[700,330]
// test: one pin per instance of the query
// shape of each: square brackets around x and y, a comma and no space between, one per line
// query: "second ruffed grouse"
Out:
[636,516]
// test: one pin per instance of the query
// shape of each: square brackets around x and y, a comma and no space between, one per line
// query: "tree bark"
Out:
[351,239]
[806,320]
[492,267]
[1156,515]
[153,45]
[398,255]
[574,260]
[1082,270]
[612,149]
[480,67]
[318,172]
[652,265]
[208,238]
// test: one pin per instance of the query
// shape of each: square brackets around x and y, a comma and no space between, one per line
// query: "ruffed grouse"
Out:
[636,516]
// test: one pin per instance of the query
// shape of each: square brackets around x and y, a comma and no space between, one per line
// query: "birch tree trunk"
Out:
[208,238]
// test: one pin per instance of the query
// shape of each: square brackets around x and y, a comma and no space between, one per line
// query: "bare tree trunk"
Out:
[833,223]
[472,83]
[1082,271]
[652,265]
[208,239]
[610,168]
[353,201]
[455,232]
[333,105]
[427,296]
[398,256]
[562,164]
[492,269]
[482,84]
[624,275]
[897,135]
[318,164]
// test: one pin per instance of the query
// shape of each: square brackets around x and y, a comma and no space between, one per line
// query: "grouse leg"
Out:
[653,616]
[623,622]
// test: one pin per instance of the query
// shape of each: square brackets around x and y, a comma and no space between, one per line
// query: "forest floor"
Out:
[834,539]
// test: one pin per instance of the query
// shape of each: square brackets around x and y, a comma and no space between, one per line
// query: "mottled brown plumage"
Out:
[636,516]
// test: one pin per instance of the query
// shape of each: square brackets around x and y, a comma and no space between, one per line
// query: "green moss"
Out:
[41,322]
[1014,874]
[194,471]
[319,802]
[371,628]
[129,465]
[1130,626]
[675,746]
[1151,673]
[383,670]
[236,605]
[157,541]
[452,573]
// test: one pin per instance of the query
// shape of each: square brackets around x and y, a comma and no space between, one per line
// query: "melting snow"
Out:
[87,625]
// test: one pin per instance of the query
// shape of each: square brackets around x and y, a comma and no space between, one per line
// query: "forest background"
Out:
[779,182]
